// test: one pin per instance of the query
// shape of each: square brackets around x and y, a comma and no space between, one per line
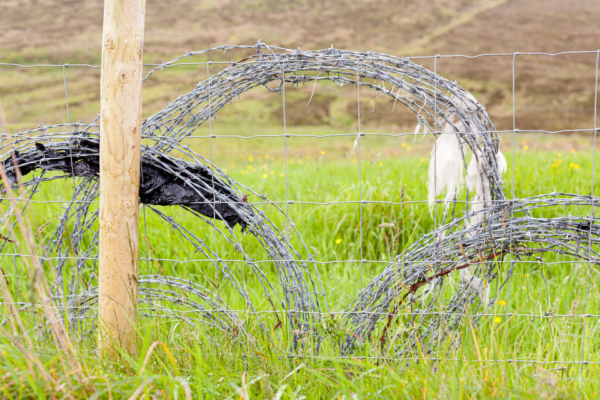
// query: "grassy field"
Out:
[175,360]
[544,343]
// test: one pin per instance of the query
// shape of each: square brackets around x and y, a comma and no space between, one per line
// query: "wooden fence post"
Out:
[120,137]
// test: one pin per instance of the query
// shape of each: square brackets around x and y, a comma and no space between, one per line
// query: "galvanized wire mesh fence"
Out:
[432,293]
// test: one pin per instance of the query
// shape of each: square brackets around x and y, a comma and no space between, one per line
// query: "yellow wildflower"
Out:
[281,174]
[264,176]
[526,148]
[249,166]
[272,172]
[572,150]
[323,152]
[250,159]
[497,320]
[502,302]
[380,163]
[266,156]
[338,241]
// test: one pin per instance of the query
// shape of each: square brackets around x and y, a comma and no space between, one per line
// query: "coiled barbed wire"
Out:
[423,268]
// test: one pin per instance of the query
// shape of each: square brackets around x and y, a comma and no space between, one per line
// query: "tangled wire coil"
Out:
[492,228]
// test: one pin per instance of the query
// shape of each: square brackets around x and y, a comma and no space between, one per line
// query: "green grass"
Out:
[550,94]
[258,368]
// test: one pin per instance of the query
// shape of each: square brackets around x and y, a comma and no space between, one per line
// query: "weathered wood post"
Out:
[120,136]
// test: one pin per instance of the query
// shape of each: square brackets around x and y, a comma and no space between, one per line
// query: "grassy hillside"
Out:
[552,93]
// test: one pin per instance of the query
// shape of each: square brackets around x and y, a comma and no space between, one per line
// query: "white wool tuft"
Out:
[476,283]
[479,185]
[445,167]
[477,180]
[501,161]
[418,129]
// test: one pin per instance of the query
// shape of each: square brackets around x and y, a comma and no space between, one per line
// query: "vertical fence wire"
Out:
[288,229]
[436,261]
[214,199]
[80,323]
[589,270]
[360,185]
[512,196]
[68,118]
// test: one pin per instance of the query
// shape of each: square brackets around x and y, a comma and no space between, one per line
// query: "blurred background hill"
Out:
[551,93]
